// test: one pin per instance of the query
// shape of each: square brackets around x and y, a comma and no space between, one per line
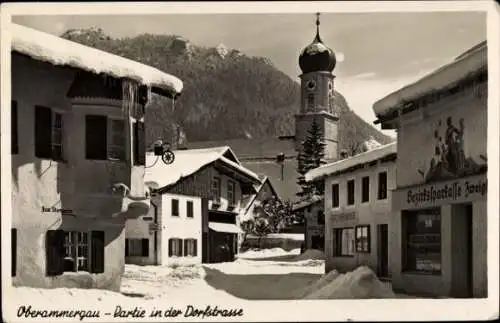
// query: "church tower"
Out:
[317,62]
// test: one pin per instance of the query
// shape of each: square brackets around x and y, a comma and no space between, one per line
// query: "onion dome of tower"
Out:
[317,56]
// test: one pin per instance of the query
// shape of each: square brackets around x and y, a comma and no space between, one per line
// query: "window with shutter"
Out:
[13,238]
[126,248]
[382,186]
[170,247]
[97,243]
[186,245]
[179,249]
[43,132]
[14,128]
[175,247]
[195,248]
[54,248]
[189,209]
[96,137]
[350,192]
[175,207]
[145,248]
[365,189]
[335,196]
[116,139]
[57,136]
[139,143]
[190,247]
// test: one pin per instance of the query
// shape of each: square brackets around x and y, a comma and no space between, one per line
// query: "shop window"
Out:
[344,242]
[137,247]
[350,192]
[74,251]
[175,207]
[335,196]
[190,248]
[365,189]
[363,238]
[175,247]
[382,186]
[423,241]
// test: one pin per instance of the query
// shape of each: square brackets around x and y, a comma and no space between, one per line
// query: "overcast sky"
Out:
[378,52]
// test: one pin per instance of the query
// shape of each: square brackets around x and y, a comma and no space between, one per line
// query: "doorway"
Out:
[318,242]
[383,251]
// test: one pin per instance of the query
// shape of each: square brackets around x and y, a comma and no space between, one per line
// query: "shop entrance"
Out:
[468,215]
[462,253]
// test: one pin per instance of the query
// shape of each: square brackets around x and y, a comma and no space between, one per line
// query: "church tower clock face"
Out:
[311,85]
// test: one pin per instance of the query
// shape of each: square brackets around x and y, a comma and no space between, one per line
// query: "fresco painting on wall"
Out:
[449,160]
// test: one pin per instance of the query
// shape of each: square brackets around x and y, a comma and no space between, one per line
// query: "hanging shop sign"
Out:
[461,190]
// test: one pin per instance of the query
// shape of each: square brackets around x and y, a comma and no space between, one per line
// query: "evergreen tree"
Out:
[311,156]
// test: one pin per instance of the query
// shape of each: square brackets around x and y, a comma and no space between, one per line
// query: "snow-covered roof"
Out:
[251,199]
[344,164]
[308,202]
[470,61]
[58,51]
[186,163]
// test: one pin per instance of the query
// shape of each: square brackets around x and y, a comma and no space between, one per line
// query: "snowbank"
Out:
[358,284]
[311,254]
[317,285]
[59,51]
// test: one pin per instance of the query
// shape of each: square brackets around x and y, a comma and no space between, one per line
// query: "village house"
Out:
[357,203]
[439,243]
[195,202]
[251,204]
[312,211]
[78,156]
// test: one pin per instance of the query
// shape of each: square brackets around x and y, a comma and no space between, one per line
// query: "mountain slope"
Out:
[226,93]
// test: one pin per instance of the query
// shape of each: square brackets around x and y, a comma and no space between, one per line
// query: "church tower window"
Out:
[310,102]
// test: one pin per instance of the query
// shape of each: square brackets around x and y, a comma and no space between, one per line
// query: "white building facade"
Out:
[357,206]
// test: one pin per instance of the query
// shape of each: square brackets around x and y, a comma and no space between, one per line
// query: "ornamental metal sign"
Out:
[463,190]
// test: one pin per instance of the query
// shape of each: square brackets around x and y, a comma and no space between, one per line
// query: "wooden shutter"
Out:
[96,137]
[145,247]
[126,248]
[139,143]
[13,239]
[97,252]
[195,248]
[43,132]
[54,248]
[180,247]
[185,247]
[14,128]
[170,247]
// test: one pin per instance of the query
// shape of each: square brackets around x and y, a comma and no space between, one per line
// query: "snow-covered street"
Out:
[270,274]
